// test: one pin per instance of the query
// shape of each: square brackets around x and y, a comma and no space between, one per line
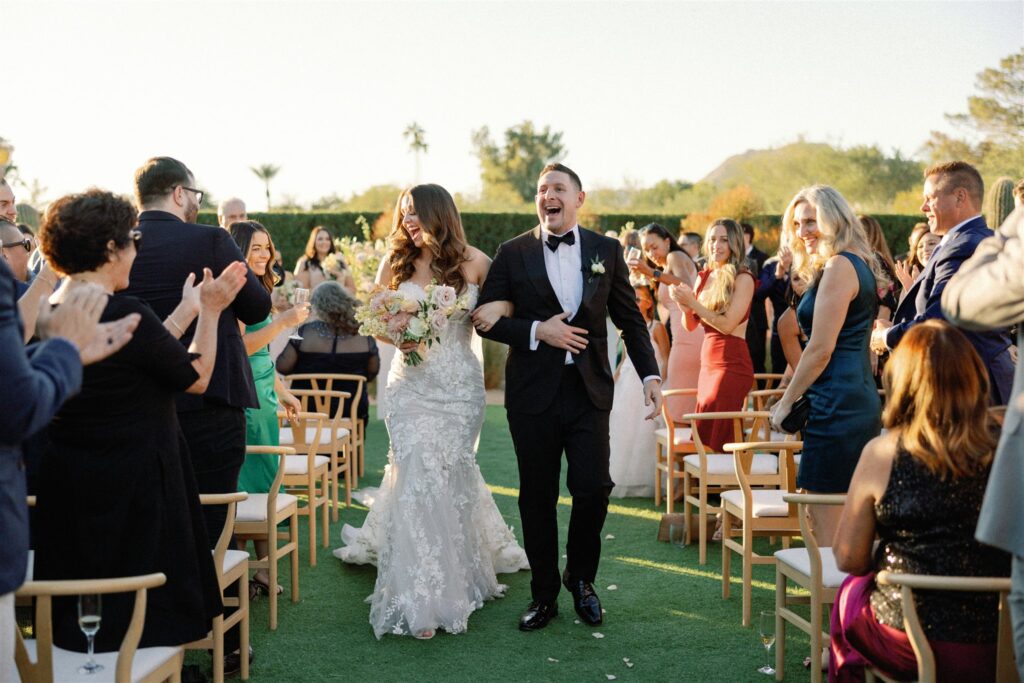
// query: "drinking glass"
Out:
[89,615]
[766,628]
[299,296]
[633,254]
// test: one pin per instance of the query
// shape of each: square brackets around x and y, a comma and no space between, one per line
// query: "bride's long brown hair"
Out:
[442,235]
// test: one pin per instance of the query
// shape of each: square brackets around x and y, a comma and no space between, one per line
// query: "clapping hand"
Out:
[904,274]
[217,294]
[77,320]
[683,295]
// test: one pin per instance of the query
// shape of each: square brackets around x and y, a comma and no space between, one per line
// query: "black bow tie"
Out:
[555,240]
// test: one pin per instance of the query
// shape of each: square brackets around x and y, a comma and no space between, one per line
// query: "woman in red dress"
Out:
[721,304]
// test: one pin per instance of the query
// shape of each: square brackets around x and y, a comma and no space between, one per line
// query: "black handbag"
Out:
[797,418]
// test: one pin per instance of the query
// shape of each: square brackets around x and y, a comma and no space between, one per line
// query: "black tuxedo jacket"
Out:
[519,275]
[758,313]
[169,250]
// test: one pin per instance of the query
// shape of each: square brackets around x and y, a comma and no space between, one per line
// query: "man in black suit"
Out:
[174,246]
[558,383]
[757,326]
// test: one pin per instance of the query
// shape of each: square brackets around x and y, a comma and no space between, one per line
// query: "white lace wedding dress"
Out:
[433,529]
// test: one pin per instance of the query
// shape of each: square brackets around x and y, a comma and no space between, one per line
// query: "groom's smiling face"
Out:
[558,200]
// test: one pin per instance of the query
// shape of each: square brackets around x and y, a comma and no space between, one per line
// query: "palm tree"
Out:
[415,134]
[266,173]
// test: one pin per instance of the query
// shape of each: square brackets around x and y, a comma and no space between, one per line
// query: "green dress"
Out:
[258,471]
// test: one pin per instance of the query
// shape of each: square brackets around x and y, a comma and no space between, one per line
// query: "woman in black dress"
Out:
[117,496]
[331,343]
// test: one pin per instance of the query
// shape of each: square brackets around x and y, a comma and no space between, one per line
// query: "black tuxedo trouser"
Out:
[216,444]
[571,424]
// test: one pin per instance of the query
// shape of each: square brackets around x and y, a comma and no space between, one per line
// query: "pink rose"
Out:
[398,323]
[438,321]
[444,296]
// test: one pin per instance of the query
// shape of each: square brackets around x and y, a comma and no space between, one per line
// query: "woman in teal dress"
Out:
[832,253]
[261,428]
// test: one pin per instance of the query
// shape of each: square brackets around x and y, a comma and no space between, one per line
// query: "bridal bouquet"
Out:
[402,318]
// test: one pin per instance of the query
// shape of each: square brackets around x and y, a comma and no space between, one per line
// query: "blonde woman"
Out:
[832,254]
[721,304]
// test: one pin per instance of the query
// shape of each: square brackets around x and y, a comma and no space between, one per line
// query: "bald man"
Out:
[231,211]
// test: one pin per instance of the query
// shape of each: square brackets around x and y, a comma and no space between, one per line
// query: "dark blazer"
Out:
[519,275]
[169,250]
[924,298]
[758,321]
[34,381]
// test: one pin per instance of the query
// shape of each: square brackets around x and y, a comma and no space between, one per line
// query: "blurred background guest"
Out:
[757,324]
[792,339]
[320,261]
[887,296]
[691,243]
[919,488]
[774,285]
[632,435]
[831,253]
[721,305]
[665,264]
[331,343]
[15,248]
[922,244]
[230,211]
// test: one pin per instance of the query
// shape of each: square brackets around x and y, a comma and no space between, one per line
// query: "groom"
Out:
[563,282]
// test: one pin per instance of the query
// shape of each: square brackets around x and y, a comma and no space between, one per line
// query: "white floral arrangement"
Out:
[397,316]
[596,268]
[363,257]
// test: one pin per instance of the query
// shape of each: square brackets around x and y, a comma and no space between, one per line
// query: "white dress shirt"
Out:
[565,272]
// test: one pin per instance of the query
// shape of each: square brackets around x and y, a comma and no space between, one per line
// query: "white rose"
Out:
[444,296]
[417,328]
[597,268]
[438,321]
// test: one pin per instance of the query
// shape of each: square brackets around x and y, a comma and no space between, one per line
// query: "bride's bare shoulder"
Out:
[476,266]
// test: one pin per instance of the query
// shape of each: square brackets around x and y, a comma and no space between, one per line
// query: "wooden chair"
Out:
[257,518]
[672,444]
[770,379]
[335,439]
[762,512]
[40,661]
[232,567]
[715,473]
[1006,671]
[309,473]
[812,569]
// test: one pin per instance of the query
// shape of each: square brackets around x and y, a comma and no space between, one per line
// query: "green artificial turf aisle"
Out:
[666,615]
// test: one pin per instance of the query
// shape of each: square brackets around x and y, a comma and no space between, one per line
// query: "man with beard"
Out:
[171,247]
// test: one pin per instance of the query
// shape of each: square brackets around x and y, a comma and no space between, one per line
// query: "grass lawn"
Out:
[666,616]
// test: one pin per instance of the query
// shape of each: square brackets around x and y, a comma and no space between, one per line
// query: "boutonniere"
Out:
[596,268]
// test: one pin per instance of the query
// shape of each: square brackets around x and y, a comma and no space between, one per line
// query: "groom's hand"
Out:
[652,394]
[554,332]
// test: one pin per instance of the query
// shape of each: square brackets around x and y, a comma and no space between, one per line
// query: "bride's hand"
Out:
[408,347]
[485,316]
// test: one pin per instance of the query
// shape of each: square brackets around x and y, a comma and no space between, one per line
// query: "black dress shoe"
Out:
[585,600]
[191,673]
[537,615]
[233,662]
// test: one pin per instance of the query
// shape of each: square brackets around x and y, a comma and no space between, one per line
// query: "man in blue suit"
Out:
[37,380]
[953,194]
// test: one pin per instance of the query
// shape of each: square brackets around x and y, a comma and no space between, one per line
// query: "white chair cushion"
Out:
[254,508]
[297,464]
[233,558]
[682,434]
[30,569]
[288,439]
[722,463]
[800,560]
[764,503]
[66,663]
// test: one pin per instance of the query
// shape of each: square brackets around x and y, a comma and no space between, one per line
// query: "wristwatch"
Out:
[656,275]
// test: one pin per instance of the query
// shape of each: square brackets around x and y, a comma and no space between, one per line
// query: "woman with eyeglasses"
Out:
[116,494]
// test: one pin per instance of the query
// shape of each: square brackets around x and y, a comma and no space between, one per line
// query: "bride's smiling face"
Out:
[411,222]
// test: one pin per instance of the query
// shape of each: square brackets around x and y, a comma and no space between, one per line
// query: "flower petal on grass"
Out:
[610,677]
[552,659]
[613,587]
[598,635]
[609,537]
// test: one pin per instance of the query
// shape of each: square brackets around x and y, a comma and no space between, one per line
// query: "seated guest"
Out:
[721,304]
[320,262]
[117,495]
[331,343]
[920,487]
[631,435]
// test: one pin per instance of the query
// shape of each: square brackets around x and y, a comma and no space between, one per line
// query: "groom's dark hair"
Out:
[562,168]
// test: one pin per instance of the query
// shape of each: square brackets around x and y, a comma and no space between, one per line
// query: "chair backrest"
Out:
[770,379]
[743,460]
[319,401]
[224,540]
[757,419]
[1005,665]
[803,502]
[43,591]
[325,381]
[275,486]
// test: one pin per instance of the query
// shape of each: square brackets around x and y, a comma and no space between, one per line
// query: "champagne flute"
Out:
[766,628]
[89,615]
[300,296]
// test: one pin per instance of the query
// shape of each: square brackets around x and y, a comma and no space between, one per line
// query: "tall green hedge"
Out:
[487,230]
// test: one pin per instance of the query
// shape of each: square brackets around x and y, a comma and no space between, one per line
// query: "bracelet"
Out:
[170,319]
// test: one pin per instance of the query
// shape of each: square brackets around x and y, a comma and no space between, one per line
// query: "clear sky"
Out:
[641,90]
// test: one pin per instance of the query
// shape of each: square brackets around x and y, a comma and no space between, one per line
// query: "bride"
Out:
[433,529]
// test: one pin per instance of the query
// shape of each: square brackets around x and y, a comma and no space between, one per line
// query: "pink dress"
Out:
[683,357]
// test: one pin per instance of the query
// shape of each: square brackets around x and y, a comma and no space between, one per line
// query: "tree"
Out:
[415,135]
[993,123]
[514,167]
[266,173]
